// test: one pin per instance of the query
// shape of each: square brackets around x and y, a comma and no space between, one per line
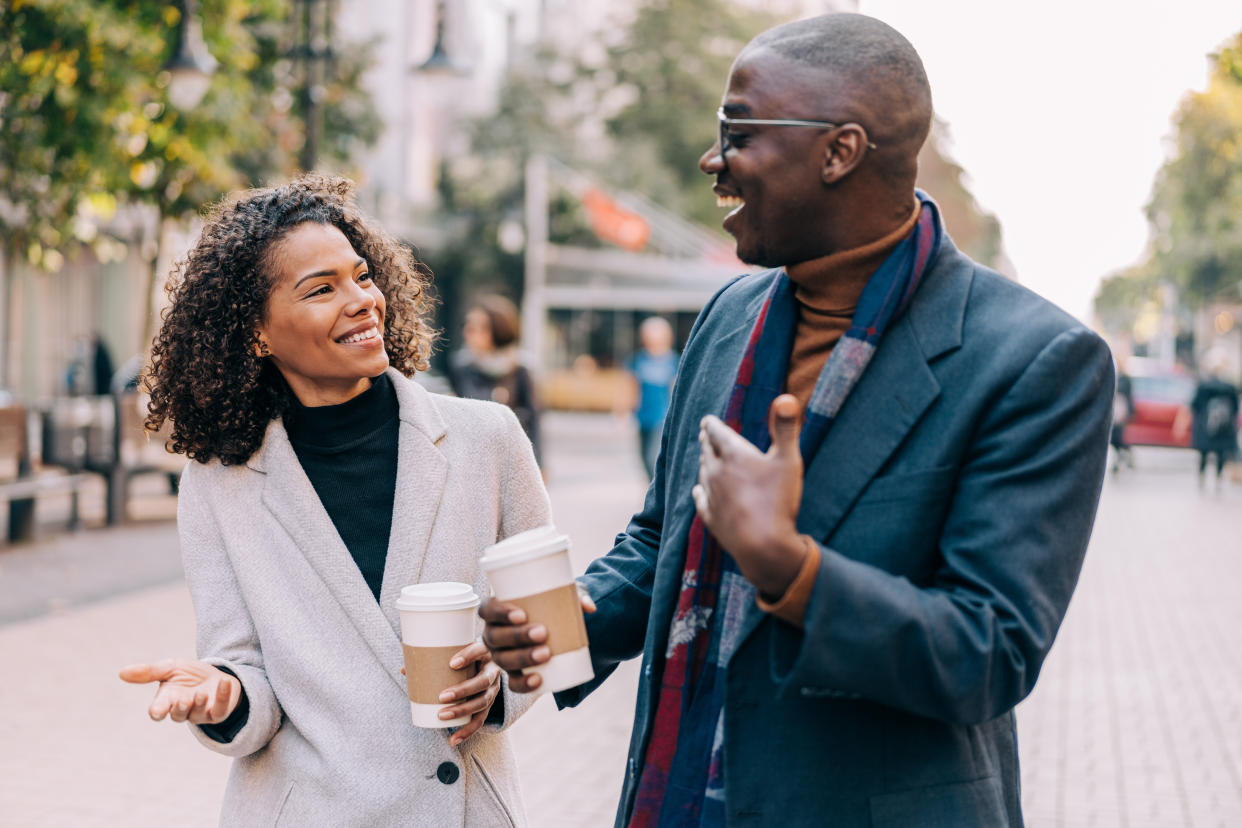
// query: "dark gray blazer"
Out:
[953,499]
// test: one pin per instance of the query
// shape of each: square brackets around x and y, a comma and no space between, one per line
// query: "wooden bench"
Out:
[134,451]
[21,485]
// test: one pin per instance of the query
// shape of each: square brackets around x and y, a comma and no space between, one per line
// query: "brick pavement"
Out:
[1136,721]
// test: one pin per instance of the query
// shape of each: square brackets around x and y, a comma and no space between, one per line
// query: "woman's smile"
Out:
[368,336]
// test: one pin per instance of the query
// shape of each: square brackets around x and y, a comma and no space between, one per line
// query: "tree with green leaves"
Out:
[86,124]
[64,77]
[1195,210]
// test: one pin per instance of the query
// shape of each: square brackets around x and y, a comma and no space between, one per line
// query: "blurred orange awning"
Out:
[612,223]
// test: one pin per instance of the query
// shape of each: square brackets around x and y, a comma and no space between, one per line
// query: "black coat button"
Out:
[447,773]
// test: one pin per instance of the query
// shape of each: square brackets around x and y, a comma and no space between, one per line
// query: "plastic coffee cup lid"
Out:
[437,597]
[524,546]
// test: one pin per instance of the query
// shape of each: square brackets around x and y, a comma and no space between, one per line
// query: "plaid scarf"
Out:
[682,782]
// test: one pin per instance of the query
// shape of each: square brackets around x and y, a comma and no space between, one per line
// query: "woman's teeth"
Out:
[369,333]
[729,201]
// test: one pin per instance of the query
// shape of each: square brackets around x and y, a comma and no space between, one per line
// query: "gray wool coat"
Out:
[279,600]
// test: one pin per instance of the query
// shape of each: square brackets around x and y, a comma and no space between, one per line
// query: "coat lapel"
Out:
[421,472]
[714,377]
[890,398]
[290,497]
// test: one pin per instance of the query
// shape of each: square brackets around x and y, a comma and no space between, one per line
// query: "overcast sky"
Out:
[1060,113]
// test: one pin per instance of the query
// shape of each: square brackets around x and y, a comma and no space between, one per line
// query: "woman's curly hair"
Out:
[204,375]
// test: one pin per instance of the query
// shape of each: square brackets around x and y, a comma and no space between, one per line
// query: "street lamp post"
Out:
[439,62]
[191,66]
[312,47]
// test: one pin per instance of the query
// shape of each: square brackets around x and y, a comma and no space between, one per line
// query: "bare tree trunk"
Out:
[153,275]
[6,301]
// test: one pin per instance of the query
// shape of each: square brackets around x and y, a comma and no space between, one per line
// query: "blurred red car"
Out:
[1159,395]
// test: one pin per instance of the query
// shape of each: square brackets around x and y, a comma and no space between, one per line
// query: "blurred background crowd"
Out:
[539,154]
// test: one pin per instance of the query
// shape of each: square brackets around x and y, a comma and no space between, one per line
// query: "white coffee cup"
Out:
[437,620]
[532,570]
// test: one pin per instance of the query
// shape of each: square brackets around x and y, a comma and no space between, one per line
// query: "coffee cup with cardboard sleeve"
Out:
[437,620]
[532,570]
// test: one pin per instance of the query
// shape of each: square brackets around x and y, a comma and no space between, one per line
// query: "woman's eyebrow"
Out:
[328,272]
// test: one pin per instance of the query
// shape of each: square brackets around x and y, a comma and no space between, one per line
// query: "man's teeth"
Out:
[729,201]
[369,333]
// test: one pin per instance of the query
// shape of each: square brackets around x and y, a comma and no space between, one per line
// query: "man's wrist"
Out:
[785,563]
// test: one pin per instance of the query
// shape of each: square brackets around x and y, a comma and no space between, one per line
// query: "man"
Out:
[835,629]
[652,371]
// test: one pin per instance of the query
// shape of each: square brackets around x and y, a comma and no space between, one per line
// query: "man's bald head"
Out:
[871,73]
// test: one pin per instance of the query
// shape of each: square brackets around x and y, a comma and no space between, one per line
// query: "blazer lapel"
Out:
[890,398]
[714,378]
[421,474]
[292,500]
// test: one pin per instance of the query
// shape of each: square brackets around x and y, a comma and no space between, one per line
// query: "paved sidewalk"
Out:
[1136,721]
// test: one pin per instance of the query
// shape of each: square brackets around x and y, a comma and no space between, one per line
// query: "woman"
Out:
[325,481]
[490,367]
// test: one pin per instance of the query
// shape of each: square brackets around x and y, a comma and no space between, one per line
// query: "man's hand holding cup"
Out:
[516,644]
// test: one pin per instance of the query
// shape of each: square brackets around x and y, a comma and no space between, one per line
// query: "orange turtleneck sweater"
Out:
[828,290]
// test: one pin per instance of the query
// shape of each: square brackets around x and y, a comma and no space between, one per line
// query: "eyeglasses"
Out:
[726,122]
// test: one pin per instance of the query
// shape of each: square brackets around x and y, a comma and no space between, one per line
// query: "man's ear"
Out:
[846,147]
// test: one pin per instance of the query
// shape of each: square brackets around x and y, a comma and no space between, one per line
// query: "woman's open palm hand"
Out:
[192,691]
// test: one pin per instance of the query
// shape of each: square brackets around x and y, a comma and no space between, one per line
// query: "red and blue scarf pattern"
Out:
[682,780]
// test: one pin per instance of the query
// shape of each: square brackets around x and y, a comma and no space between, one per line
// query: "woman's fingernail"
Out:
[447,714]
[456,663]
[541,654]
[446,696]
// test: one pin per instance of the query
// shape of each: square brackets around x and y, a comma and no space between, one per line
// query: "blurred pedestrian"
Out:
[324,481]
[1123,411]
[79,375]
[101,365]
[490,366]
[1214,417]
[842,614]
[652,369]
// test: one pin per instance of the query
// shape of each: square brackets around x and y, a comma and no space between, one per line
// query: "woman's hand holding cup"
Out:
[476,694]
[192,691]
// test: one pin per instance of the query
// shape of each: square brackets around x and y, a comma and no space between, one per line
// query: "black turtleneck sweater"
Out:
[349,452]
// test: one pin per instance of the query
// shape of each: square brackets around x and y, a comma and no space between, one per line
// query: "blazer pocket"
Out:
[926,485]
[282,815]
[977,804]
[493,812]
